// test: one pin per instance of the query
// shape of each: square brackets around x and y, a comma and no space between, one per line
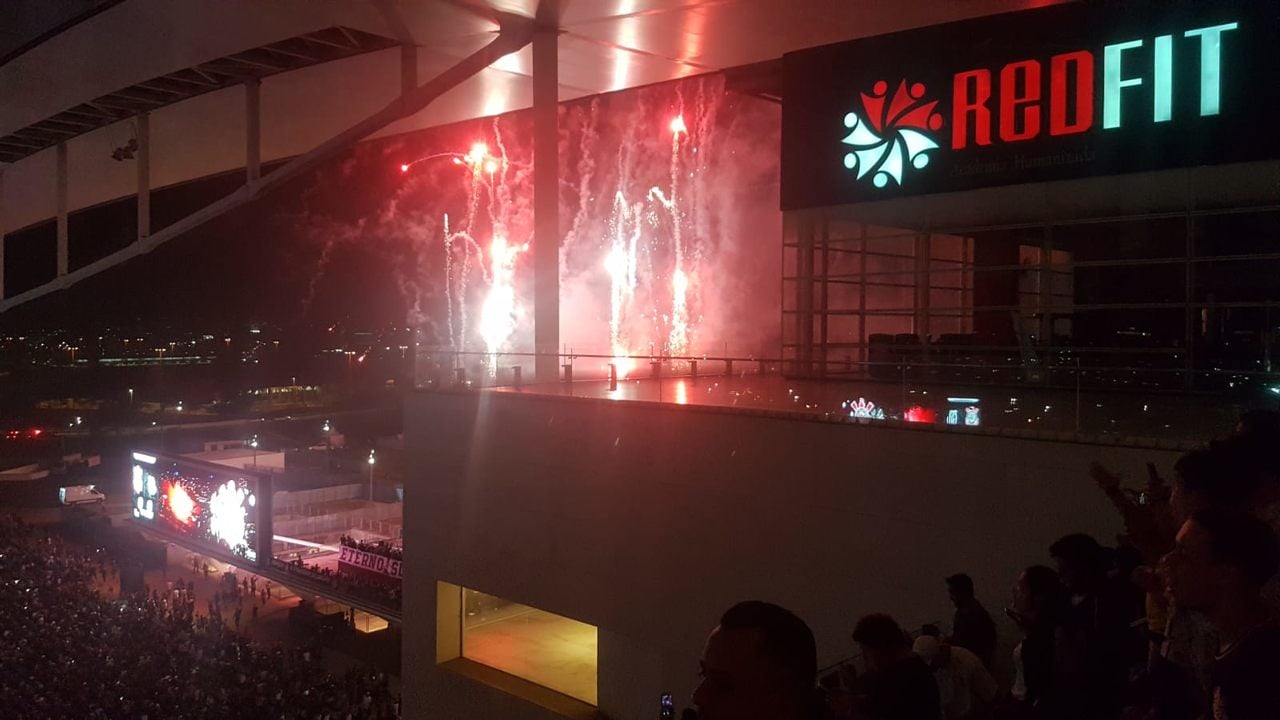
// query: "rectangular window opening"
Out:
[540,647]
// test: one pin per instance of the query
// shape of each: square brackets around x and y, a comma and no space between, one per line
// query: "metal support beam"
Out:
[966,294]
[824,299]
[804,301]
[61,194]
[1,232]
[252,130]
[144,176]
[408,68]
[863,354]
[1191,336]
[515,32]
[923,281]
[1046,299]
[546,204]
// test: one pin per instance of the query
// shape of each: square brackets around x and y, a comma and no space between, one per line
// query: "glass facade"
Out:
[1164,302]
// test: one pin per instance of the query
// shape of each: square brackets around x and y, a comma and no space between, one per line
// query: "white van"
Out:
[80,495]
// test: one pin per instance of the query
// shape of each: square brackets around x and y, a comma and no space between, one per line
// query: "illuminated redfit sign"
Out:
[1074,90]
[1015,109]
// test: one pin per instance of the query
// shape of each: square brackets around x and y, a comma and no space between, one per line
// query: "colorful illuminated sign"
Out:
[213,506]
[863,409]
[1067,91]
[891,136]
[919,414]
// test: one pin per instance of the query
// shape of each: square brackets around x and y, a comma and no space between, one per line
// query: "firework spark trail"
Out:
[486,182]
[650,228]
[332,237]
[624,231]
[462,276]
[498,314]
[678,338]
[620,263]
[448,281]
[703,143]
[586,173]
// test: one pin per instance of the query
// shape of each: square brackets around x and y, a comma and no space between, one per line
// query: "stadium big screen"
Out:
[214,506]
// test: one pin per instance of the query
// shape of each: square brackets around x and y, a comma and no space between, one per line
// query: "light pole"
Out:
[371,462]
[253,443]
[130,398]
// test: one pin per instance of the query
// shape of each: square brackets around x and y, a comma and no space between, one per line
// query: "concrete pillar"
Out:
[61,175]
[252,130]
[144,175]
[546,204]
[408,68]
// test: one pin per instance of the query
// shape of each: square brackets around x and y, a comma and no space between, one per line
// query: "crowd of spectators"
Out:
[1179,621]
[386,593]
[66,651]
[382,547]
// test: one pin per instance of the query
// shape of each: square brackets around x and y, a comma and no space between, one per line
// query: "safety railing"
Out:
[1056,395]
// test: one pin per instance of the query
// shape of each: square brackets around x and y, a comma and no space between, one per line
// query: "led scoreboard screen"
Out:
[214,506]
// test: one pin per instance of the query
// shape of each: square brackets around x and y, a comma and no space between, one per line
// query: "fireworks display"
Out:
[669,227]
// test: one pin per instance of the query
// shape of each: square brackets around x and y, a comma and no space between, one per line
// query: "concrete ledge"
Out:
[544,697]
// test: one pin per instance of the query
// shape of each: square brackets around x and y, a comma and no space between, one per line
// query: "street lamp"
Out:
[371,462]
[253,443]
[130,398]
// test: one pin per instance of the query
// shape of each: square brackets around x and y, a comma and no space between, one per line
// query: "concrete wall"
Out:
[649,520]
[286,500]
[365,517]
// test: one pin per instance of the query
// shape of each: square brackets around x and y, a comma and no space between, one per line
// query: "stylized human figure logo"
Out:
[863,409]
[891,134]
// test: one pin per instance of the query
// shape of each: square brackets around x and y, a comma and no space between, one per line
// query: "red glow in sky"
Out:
[180,503]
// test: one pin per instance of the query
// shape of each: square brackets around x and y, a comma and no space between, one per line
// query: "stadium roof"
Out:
[293,53]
